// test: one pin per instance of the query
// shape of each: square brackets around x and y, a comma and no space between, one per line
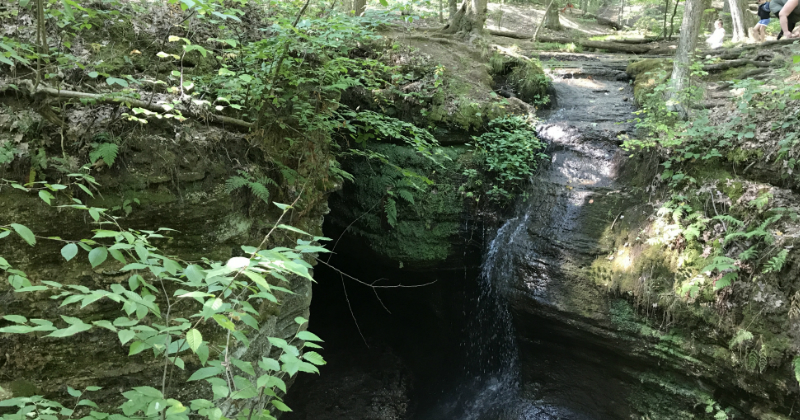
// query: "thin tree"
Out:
[679,84]
[552,19]
[672,20]
[469,19]
[541,22]
[359,7]
[738,20]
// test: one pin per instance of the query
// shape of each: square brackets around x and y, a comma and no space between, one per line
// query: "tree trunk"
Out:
[541,22]
[441,12]
[452,7]
[666,12]
[739,26]
[468,19]
[690,27]
[359,7]
[551,18]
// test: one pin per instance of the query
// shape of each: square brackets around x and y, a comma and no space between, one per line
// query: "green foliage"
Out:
[530,82]
[106,151]
[775,264]
[508,153]
[222,292]
[796,366]
[257,186]
[741,337]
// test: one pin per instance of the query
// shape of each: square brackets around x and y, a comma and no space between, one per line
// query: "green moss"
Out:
[22,388]
[740,155]
[647,74]
[426,221]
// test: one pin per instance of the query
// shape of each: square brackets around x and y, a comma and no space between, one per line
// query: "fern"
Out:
[733,235]
[106,151]
[691,232]
[257,186]
[740,337]
[260,191]
[751,362]
[761,201]
[775,264]
[721,264]
[391,212]
[770,221]
[726,280]
[406,195]
[728,219]
[796,365]
[794,308]
[748,254]
[234,183]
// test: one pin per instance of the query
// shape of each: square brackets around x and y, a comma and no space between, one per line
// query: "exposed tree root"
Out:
[630,48]
[729,64]
[737,52]
[135,103]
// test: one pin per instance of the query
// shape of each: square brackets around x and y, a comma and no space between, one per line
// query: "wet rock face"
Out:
[209,223]
[573,352]
[576,196]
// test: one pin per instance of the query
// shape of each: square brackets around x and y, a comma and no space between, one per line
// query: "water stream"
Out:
[500,369]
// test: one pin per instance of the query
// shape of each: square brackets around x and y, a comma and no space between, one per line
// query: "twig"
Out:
[373,285]
[350,307]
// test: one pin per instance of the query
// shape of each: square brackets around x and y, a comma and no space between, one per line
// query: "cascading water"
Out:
[581,130]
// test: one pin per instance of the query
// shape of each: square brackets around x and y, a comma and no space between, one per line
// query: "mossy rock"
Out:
[647,74]
[403,219]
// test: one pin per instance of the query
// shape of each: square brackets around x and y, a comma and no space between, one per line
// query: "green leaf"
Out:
[796,364]
[19,319]
[115,80]
[105,324]
[17,329]
[278,404]
[71,330]
[202,353]
[224,322]
[246,367]
[88,403]
[293,229]
[69,251]
[97,256]
[46,196]
[205,372]
[24,233]
[314,358]
[194,338]
[74,392]
[125,336]
[308,336]
[138,347]
[267,363]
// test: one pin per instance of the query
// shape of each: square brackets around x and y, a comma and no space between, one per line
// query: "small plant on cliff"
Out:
[508,154]
[191,315]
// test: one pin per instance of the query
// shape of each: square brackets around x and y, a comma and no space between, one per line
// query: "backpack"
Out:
[763,11]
